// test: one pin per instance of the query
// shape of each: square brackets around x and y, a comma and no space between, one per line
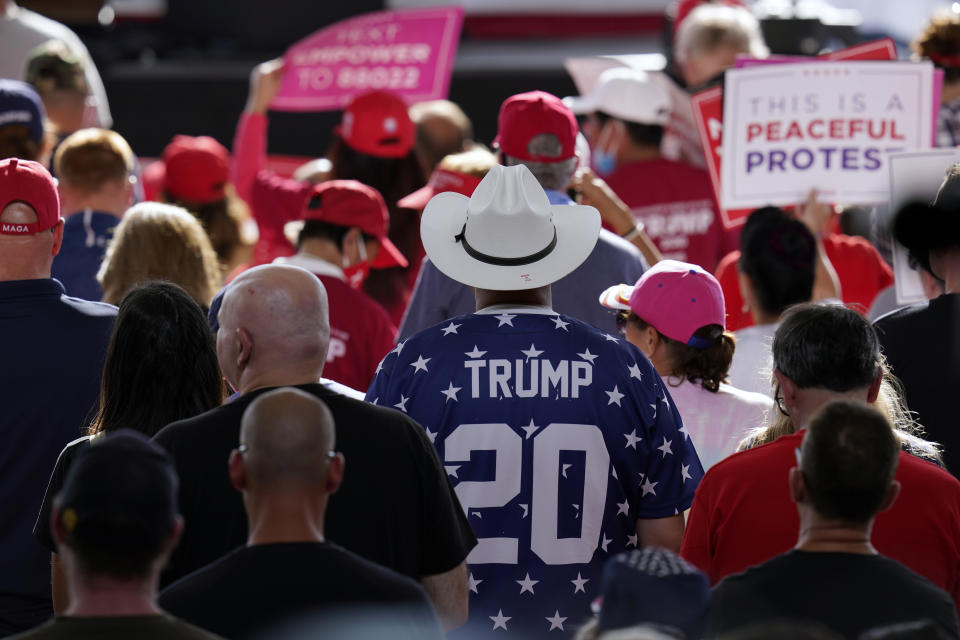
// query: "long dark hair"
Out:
[161,364]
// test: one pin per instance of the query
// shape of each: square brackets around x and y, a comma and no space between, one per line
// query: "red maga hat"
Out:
[29,182]
[378,124]
[349,203]
[527,115]
[440,180]
[196,169]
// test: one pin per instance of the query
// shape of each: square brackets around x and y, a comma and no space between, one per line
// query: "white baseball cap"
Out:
[626,94]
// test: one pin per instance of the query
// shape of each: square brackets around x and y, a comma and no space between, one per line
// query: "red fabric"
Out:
[742,515]
[675,203]
[860,269]
[360,335]
[529,25]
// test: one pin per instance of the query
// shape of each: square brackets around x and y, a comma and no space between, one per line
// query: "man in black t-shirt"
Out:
[834,576]
[115,522]
[922,341]
[289,577]
[395,506]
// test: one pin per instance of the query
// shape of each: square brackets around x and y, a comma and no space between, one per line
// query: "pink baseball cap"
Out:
[29,182]
[676,298]
[378,124]
[526,115]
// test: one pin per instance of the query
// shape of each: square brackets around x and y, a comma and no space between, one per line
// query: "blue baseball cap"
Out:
[20,104]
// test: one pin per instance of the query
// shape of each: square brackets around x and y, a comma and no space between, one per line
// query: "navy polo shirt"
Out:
[51,361]
[85,238]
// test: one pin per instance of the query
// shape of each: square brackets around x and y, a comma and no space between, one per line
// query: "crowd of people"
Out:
[423,386]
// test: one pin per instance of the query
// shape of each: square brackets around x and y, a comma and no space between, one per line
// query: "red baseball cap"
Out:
[526,115]
[349,203]
[29,182]
[440,180]
[378,124]
[196,169]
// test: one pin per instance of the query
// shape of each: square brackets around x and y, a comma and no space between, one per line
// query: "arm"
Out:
[596,193]
[250,140]
[58,582]
[661,532]
[449,594]
[816,216]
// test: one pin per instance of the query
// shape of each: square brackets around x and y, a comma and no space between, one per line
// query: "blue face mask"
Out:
[604,162]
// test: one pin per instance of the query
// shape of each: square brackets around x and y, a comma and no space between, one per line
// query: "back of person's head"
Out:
[475,161]
[287,438]
[30,223]
[117,511]
[848,460]
[536,129]
[161,364]
[779,255]
[90,159]
[57,75]
[283,311]
[457,172]
[442,129]
[782,630]
[826,346]
[709,37]
[21,121]
[939,42]
[156,241]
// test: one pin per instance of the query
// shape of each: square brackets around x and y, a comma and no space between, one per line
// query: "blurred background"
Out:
[182,66]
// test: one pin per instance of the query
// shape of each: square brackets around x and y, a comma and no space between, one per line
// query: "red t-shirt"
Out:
[860,269]
[742,515]
[675,203]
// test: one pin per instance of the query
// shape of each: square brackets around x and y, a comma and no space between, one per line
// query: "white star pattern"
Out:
[432,435]
[613,472]
[586,355]
[477,514]
[376,400]
[683,430]
[505,318]
[556,622]
[526,584]
[451,328]
[452,470]
[532,352]
[632,540]
[499,620]
[578,583]
[614,395]
[558,323]
[474,583]
[648,487]
[451,393]
[624,508]
[563,471]
[665,447]
[530,428]
[397,349]
[610,338]
[379,368]
[632,440]
[664,399]
[476,353]
[685,473]
[605,542]
[526,511]
[420,364]
[635,372]
[402,405]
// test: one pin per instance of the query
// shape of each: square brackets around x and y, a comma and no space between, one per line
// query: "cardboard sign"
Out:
[793,127]
[409,53]
[883,49]
[914,177]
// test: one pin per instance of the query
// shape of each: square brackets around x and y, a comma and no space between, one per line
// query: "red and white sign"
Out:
[409,53]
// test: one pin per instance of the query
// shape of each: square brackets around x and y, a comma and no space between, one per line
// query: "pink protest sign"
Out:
[409,53]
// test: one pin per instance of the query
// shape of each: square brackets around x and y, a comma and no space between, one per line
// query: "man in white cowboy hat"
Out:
[563,442]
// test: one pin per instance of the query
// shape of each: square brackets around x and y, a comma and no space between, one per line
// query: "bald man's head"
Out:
[27,257]
[274,321]
[287,437]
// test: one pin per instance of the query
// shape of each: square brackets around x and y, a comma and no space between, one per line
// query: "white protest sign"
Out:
[914,177]
[825,125]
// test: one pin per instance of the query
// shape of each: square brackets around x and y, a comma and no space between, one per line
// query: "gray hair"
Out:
[710,26]
[554,176]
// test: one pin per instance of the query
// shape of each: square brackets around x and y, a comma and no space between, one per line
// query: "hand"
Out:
[815,215]
[265,82]
[597,193]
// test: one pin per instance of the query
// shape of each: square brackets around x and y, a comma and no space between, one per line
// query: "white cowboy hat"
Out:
[507,236]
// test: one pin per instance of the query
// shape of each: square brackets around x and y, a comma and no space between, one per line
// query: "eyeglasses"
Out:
[622,318]
[329,455]
[781,403]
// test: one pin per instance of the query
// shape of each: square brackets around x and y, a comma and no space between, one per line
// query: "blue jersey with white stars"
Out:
[557,437]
